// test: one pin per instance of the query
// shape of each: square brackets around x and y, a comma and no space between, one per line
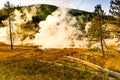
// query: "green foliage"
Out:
[1,17]
[115,10]
[4,14]
[97,23]
[7,7]
[88,15]
[18,7]
[43,12]
[97,30]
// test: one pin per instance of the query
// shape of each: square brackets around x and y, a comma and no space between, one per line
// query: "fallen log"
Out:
[62,65]
[57,64]
[93,66]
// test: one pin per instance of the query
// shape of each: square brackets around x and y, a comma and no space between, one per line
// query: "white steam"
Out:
[18,19]
[57,31]
[4,35]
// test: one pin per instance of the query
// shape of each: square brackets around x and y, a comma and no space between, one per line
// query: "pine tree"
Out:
[96,31]
[115,10]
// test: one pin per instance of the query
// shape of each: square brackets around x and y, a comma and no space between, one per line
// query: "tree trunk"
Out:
[93,66]
[101,41]
[10,28]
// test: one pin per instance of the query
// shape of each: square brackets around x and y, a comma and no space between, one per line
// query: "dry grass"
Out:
[22,63]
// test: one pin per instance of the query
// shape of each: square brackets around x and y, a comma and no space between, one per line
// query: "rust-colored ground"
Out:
[32,53]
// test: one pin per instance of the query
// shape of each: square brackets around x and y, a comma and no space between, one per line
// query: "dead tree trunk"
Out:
[10,28]
[93,66]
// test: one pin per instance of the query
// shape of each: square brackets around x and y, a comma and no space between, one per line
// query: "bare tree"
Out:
[7,8]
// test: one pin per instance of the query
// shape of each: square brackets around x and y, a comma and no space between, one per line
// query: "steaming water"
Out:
[59,30]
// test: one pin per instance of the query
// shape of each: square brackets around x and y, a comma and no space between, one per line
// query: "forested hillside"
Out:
[29,21]
[45,42]
[44,10]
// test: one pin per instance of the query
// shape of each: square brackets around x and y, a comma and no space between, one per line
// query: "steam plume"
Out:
[59,30]
[19,19]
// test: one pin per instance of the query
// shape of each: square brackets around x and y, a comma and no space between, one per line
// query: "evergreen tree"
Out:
[96,32]
[115,9]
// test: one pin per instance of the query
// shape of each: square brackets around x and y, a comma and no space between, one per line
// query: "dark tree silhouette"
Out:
[7,7]
[115,10]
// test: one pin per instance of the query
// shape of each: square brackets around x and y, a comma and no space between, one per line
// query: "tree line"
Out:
[98,18]
[97,30]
